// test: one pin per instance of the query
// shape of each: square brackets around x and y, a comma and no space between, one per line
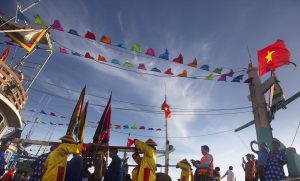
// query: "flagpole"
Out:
[167,141]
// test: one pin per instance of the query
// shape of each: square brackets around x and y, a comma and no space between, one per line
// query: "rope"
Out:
[295,134]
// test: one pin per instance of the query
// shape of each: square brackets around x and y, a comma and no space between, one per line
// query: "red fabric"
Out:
[90,35]
[83,151]
[169,72]
[179,59]
[60,174]
[183,178]
[5,54]
[165,107]
[142,66]
[87,55]
[130,142]
[63,50]
[146,174]
[193,63]
[52,114]
[222,77]
[272,57]
[183,74]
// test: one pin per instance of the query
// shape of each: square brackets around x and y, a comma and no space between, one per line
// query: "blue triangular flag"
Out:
[43,112]
[165,55]
[115,61]
[76,54]
[155,70]
[73,32]
[20,15]
[204,67]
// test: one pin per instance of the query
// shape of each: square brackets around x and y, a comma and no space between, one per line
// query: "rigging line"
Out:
[295,134]
[138,110]
[176,137]
[128,102]
[145,73]
[128,51]
[242,141]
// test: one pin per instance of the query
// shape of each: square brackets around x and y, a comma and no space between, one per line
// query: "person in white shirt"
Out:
[230,174]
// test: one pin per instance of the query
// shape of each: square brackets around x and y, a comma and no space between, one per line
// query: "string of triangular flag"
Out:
[115,126]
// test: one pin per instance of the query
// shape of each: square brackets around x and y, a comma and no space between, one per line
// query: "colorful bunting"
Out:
[38,20]
[120,45]
[130,142]
[105,39]
[230,74]
[43,112]
[125,127]
[210,77]
[218,70]
[20,16]
[133,126]
[115,61]
[5,54]
[63,50]
[204,67]
[165,55]
[73,32]
[193,63]
[238,78]
[76,54]
[87,55]
[278,95]
[57,26]
[136,48]
[158,129]
[102,58]
[150,128]
[155,70]
[52,123]
[127,63]
[90,35]
[52,114]
[150,52]
[249,80]
[179,59]
[142,127]
[222,77]
[183,74]
[117,126]
[142,66]
[169,72]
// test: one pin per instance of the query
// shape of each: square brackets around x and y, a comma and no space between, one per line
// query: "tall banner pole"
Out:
[167,150]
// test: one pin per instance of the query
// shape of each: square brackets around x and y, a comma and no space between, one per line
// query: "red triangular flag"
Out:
[179,59]
[166,108]
[169,72]
[130,142]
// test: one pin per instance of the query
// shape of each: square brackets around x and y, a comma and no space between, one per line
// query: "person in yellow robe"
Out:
[56,163]
[186,170]
[148,163]
[136,157]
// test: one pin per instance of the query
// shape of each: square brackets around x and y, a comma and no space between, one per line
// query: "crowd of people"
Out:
[53,166]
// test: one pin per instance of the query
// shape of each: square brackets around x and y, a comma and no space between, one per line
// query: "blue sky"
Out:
[215,32]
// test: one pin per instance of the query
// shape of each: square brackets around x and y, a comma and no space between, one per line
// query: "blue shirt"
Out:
[262,157]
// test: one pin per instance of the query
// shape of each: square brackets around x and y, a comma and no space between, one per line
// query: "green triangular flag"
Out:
[38,20]
[127,63]
[134,126]
[210,77]
[137,48]
[218,70]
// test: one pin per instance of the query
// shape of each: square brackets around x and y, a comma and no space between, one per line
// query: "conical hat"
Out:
[67,138]
[185,161]
[150,142]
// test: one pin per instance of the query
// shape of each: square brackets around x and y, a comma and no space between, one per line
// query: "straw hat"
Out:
[67,138]
[150,142]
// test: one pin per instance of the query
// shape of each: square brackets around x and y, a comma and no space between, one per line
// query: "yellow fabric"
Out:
[185,171]
[134,173]
[58,158]
[148,160]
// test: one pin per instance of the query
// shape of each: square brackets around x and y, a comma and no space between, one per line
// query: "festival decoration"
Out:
[218,70]
[105,39]
[169,72]
[165,55]
[127,63]
[166,108]
[150,52]
[155,70]
[193,63]
[210,77]
[80,131]
[73,32]
[238,78]
[230,74]
[272,57]
[205,67]
[222,77]
[57,25]
[87,55]
[179,59]
[142,66]
[115,61]
[136,48]
[63,50]
[90,35]
[183,74]
[38,20]
[20,16]
[102,58]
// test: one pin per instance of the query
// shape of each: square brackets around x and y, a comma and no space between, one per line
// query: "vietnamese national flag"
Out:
[5,54]
[165,107]
[273,56]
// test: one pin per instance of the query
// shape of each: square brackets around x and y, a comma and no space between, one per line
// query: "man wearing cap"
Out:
[148,162]
[186,170]
[56,163]
[276,160]
[262,155]
[113,172]
[248,168]
[206,166]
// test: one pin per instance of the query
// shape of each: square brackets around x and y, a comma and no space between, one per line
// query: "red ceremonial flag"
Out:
[5,54]
[165,107]
[102,133]
[273,56]
[130,142]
